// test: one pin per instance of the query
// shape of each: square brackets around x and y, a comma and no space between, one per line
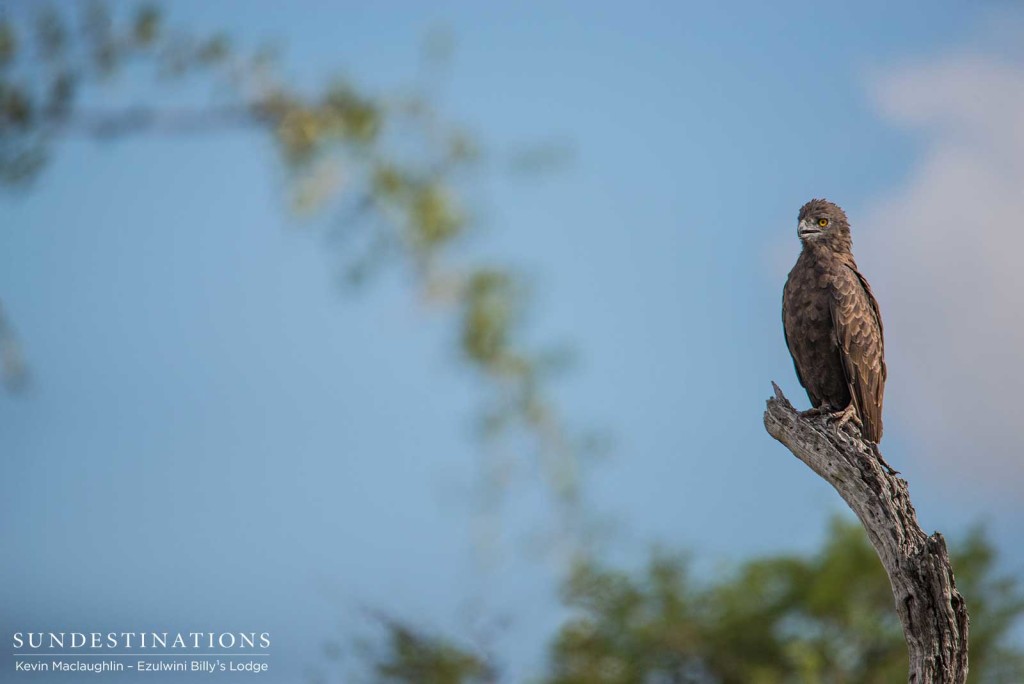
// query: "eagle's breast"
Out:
[810,333]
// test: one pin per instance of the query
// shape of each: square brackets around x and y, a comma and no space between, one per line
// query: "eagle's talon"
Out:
[847,415]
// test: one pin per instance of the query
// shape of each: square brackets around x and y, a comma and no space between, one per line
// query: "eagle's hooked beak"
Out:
[806,229]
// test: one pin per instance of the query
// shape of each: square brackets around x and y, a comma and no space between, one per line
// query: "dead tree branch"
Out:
[931,610]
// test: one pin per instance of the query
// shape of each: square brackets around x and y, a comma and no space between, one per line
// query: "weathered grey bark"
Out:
[932,611]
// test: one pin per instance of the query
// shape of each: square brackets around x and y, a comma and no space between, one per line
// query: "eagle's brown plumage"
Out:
[831,320]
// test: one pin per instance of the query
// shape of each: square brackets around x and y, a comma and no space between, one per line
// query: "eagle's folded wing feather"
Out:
[858,328]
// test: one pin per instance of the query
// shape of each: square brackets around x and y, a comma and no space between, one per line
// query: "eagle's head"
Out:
[823,223]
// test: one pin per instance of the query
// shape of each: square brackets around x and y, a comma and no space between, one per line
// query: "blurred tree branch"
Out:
[384,173]
[931,610]
[112,124]
[12,365]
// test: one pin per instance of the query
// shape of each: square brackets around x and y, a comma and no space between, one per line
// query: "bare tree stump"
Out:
[931,610]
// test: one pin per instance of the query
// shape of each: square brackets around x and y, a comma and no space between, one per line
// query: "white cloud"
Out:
[946,255]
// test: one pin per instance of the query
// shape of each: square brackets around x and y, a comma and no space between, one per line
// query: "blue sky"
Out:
[218,437]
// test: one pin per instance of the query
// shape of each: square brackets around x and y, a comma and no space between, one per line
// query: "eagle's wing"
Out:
[858,328]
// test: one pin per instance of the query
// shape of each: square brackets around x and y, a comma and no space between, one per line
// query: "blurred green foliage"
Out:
[827,618]
[383,172]
[408,656]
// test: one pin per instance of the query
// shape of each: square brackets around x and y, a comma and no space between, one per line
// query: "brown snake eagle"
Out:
[832,325]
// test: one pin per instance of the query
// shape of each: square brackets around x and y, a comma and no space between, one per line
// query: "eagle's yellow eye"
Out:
[822,222]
